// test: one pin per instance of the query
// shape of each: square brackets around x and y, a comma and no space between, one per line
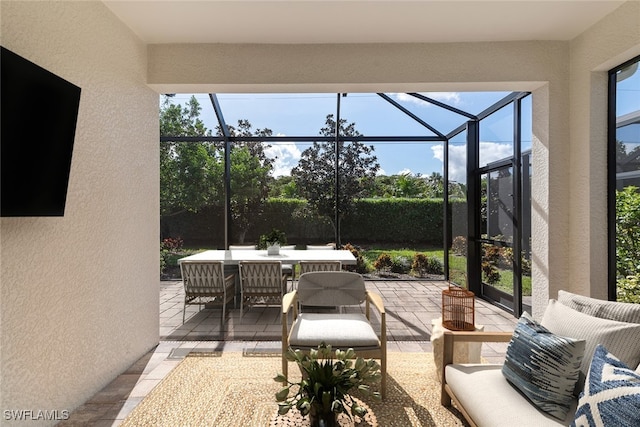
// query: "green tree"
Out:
[435,183]
[250,177]
[315,174]
[284,186]
[412,186]
[187,169]
[628,244]
[627,231]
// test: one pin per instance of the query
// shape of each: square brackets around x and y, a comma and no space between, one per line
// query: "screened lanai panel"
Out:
[457,185]
[285,114]
[373,115]
[496,137]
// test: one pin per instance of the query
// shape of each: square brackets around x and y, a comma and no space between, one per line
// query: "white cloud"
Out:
[381,172]
[489,152]
[405,171]
[286,156]
[451,98]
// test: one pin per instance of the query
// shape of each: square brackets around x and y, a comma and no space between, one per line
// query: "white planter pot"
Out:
[273,249]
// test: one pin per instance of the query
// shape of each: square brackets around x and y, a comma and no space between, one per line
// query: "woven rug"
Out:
[237,391]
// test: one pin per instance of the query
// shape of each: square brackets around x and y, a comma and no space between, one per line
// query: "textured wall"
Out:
[607,44]
[79,293]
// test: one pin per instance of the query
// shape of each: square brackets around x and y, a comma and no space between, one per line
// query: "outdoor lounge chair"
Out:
[205,282]
[340,330]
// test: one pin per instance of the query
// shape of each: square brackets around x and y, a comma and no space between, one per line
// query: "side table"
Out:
[462,352]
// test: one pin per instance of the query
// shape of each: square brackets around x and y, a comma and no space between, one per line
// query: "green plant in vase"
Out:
[272,241]
[323,391]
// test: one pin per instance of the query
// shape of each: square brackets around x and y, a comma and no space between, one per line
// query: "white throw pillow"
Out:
[620,338]
[612,310]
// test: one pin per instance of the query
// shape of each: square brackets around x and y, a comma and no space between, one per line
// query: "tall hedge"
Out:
[397,220]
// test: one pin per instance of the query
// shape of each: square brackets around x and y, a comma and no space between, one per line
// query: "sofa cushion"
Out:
[611,394]
[612,310]
[490,400]
[620,338]
[543,366]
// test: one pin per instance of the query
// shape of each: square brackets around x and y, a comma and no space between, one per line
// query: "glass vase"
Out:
[320,418]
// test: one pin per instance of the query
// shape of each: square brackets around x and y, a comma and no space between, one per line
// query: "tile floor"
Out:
[410,305]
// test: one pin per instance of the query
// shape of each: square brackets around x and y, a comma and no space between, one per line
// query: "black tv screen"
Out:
[38,112]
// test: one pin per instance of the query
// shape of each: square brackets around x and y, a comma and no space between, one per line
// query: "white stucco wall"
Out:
[79,293]
[604,46]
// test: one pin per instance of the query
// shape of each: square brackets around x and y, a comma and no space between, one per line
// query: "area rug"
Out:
[237,391]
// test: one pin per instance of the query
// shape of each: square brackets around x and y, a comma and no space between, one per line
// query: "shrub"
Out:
[168,246]
[164,255]
[459,246]
[172,244]
[491,273]
[629,289]
[423,265]
[400,265]
[491,256]
[361,264]
[383,262]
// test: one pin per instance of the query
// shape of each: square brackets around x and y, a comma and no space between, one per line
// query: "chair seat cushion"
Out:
[490,400]
[335,329]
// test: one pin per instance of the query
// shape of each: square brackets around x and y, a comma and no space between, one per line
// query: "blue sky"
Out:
[296,114]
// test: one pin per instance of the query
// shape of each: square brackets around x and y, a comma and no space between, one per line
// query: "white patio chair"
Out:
[261,283]
[340,330]
[321,247]
[310,266]
[205,283]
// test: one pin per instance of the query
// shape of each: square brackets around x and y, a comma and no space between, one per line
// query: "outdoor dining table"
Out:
[233,257]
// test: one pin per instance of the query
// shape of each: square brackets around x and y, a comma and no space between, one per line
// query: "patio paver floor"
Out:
[410,305]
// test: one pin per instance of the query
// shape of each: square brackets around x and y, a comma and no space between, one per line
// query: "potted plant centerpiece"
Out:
[272,241]
[323,390]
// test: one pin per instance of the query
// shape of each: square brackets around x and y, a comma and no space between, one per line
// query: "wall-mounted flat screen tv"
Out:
[38,112]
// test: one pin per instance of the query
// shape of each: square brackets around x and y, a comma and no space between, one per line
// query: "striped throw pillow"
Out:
[543,366]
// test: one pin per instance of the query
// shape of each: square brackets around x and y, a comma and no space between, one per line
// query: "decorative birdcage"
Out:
[458,309]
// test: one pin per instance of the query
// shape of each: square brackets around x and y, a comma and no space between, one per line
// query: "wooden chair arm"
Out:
[376,300]
[289,300]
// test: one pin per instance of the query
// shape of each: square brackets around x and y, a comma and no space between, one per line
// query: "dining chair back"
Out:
[205,283]
[261,283]
[321,247]
[309,266]
[242,247]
